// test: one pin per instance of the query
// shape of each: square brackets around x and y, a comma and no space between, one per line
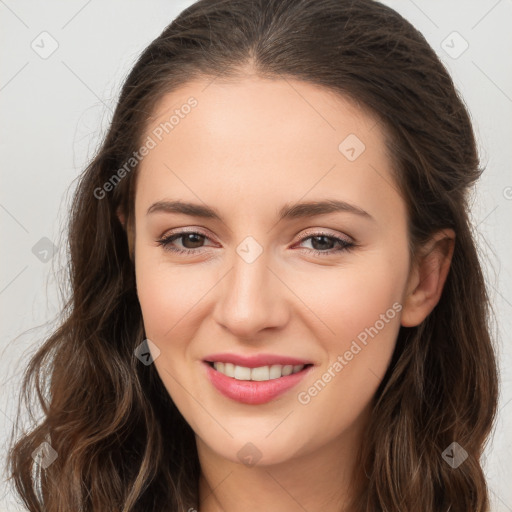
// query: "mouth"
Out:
[254,385]
[258,374]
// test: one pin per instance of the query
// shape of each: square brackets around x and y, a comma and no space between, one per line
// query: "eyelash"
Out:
[167,240]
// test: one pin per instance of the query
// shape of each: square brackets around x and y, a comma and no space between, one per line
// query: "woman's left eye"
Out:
[320,240]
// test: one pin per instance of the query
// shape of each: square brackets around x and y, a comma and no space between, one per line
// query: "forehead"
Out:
[280,138]
[251,110]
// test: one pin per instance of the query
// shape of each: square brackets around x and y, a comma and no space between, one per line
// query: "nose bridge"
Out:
[250,299]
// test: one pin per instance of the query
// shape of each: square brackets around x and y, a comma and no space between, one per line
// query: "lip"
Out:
[255,361]
[253,392]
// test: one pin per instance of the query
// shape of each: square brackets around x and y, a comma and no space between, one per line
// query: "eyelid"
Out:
[324,232]
[188,229]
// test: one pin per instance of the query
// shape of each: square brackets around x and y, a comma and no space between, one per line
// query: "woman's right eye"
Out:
[187,237]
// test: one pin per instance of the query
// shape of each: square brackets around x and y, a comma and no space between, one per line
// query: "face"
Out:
[250,273]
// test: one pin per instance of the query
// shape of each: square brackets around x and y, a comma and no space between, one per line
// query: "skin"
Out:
[248,148]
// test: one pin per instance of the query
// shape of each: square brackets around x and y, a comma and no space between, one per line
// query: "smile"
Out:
[254,386]
[261,373]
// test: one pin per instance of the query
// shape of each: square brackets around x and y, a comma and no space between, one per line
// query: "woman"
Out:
[216,354]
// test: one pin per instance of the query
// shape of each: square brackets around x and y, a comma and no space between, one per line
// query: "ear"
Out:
[129,229]
[121,217]
[427,278]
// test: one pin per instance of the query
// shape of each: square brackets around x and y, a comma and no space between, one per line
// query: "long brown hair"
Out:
[121,443]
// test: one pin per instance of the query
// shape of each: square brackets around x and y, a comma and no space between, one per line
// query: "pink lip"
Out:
[254,361]
[253,392]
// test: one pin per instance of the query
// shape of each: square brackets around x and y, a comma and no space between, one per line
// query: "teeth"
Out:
[242,373]
[288,369]
[261,373]
[229,369]
[275,371]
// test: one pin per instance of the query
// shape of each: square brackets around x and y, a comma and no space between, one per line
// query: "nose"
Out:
[251,298]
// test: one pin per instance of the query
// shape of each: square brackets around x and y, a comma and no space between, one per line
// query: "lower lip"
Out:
[253,392]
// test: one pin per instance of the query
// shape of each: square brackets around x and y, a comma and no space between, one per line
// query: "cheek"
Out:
[348,301]
[361,309]
[343,389]
[167,295]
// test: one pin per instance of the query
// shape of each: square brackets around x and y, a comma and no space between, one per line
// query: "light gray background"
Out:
[55,110]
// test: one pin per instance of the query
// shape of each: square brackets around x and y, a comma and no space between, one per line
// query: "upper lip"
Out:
[255,361]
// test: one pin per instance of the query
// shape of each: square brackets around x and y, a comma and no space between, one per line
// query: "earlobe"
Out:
[427,278]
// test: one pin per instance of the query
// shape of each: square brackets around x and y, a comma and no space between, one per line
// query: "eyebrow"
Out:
[287,212]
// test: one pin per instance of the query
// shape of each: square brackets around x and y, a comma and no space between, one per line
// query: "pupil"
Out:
[322,245]
[188,238]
